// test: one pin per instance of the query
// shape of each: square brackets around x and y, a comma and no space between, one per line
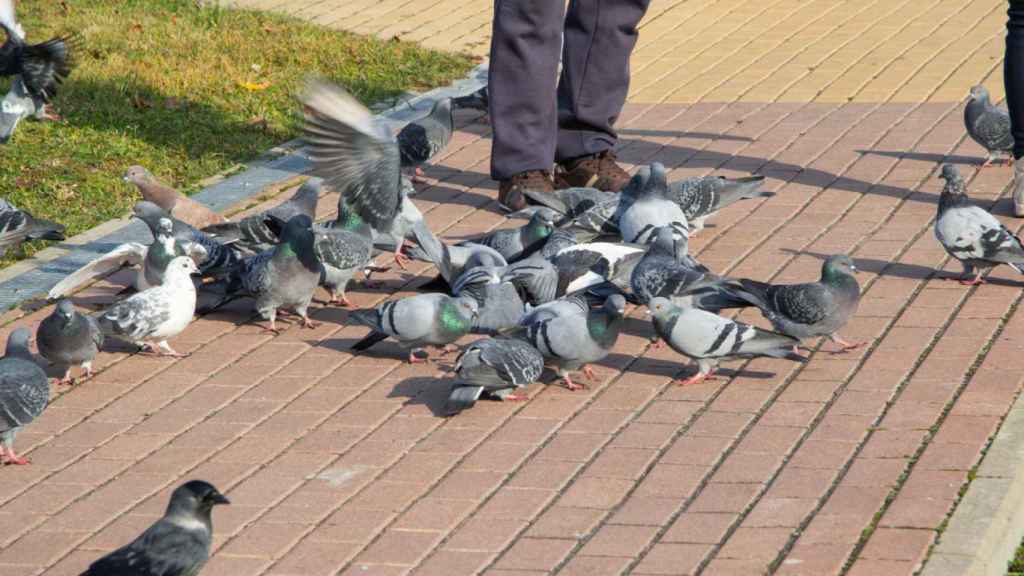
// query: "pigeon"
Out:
[156,314]
[493,366]
[68,338]
[988,126]
[583,266]
[357,155]
[17,226]
[570,203]
[646,203]
[971,234]
[261,231]
[175,203]
[517,243]
[219,256]
[498,301]
[703,196]
[813,309]
[41,67]
[709,338]
[420,140]
[178,544]
[571,335]
[344,247]
[598,220]
[668,271]
[24,392]
[151,260]
[418,321]
[479,100]
[283,277]
[17,104]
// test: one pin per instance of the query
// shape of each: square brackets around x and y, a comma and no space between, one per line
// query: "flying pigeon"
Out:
[709,338]
[68,338]
[261,231]
[571,335]
[156,314]
[41,67]
[703,196]
[357,155]
[420,140]
[418,321]
[819,308]
[988,126]
[151,260]
[516,243]
[177,204]
[24,392]
[17,226]
[493,366]
[972,235]
[283,277]
[178,544]
[646,203]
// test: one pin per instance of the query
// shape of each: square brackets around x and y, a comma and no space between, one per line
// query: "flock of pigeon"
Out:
[552,292]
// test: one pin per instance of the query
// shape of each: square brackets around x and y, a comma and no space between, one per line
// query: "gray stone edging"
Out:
[988,524]
[33,277]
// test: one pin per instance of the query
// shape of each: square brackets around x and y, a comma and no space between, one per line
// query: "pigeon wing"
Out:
[129,254]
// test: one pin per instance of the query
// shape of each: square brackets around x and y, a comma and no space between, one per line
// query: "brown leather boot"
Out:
[599,171]
[510,192]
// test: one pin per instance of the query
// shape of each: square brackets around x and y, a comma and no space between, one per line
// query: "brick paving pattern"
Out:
[848,464]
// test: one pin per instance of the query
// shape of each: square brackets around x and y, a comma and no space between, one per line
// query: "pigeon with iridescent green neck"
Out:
[517,243]
[344,246]
[418,321]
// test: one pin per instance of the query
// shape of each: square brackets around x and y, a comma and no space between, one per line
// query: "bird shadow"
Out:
[900,269]
[424,391]
[924,156]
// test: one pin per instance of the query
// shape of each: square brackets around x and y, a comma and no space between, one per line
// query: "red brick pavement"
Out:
[337,464]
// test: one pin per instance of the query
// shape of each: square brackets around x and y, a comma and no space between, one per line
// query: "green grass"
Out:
[177,88]
[1016,567]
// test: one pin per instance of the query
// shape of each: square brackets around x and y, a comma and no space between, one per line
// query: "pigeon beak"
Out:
[647,312]
[218,498]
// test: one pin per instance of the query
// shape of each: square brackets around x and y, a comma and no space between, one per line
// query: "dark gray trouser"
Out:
[533,129]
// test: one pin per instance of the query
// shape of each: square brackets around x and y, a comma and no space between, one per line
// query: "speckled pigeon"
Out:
[703,196]
[571,335]
[569,203]
[709,338]
[24,392]
[156,314]
[17,226]
[813,309]
[69,338]
[646,203]
[971,234]
[517,243]
[421,140]
[219,256]
[496,367]
[988,125]
[418,321]
[178,544]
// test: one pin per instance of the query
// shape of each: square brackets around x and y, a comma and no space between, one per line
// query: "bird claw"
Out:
[15,461]
[572,385]
[519,397]
[400,260]
[414,359]
[977,281]
[657,345]
[589,373]
[307,323]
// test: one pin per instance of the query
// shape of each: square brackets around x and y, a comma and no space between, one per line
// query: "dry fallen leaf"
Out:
[254,86]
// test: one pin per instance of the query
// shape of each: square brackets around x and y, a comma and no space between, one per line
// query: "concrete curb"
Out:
[33,277]
[987,525]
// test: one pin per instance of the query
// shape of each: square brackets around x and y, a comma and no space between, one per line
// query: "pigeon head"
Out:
[979,93]
[659,178]
[839,265]
[954,193]
[195,498]
[165,226]
[182,267]
[949,173]
[664,242]
[297,240]
[662,308]
[18,343]
[638,183]
[65,310]
[615,305]
[150,213]
[539,227]
[137,175]
[469,307]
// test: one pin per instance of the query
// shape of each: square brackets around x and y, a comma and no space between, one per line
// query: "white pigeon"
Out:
[156,314]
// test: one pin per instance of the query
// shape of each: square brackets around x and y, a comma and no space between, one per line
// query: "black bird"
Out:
[176,545]
[42,67]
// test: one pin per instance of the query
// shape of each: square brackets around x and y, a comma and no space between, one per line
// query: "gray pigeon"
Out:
[156,314]
[421,140]
[24,392]
[667,270]
[813,309]
[283,277]
[178,205]
[703,196]
[988,126]
[17,105]
[357,155]
[972,235]
[598,220]
[517,243]
[569,203]
[646,204]
[584,266]
[571,335]
[418,321]
[498,301]
[344,247]
[261,231]
[219,256]
[493,366]
[68,338]
[709,338]
[17,226]
[151,260]
[479,100]
[41,67]
[178,544]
